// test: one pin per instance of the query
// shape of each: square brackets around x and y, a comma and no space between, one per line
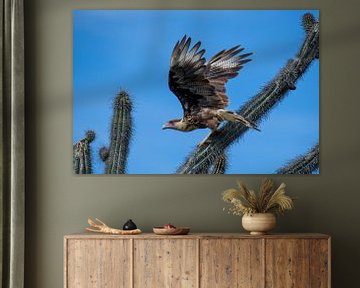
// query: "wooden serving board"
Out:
[171,231]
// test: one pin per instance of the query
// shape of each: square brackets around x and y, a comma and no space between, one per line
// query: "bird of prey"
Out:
[200,86]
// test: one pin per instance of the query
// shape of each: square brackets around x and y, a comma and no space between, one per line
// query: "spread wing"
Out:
[197,83]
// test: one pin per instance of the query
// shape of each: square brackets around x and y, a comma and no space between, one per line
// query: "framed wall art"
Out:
[196,92]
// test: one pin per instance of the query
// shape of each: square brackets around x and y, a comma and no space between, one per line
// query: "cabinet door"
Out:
[231,263]
[320,263]
[165,263]
[98,263]
[287,263]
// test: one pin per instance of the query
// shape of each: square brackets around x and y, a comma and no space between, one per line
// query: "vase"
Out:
[259,223]
[129,225]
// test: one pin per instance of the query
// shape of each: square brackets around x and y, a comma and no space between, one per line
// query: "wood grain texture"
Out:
[231,263]
[88,235]
[319,263]
[166,263]
[98,264]
[287,263]
[197,260]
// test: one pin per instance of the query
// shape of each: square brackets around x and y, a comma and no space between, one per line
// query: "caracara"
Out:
[200,86]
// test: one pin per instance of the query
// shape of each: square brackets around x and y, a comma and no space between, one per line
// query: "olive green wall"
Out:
[59,202]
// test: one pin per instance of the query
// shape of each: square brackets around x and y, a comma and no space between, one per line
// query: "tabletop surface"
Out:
[90,235]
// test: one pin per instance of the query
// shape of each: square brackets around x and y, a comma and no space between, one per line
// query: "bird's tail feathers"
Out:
[234,117]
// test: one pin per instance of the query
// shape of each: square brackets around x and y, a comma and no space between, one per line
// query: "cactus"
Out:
[76,160]
[82,154]
[308,22]
[257,107]
[121,130]
[115,157]
[303,164]
[220,165]
[104,153]
[211,158]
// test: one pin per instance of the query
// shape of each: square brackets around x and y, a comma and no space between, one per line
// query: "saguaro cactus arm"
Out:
[258,106]
[103,153]
[82,163]
[121,131]
[303,164]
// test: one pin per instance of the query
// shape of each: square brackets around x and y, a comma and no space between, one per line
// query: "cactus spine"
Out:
[82,163]
[121,131]
[308,22]
[220,165]
[303,164]
[258,106]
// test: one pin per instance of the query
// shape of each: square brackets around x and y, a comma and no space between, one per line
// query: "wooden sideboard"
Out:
[197,260]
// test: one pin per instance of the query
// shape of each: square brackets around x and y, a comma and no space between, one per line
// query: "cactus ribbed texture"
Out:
[76,159]
[82,154]
[304,164]
[308,22]
[220,165]
[121,130]
[257,107]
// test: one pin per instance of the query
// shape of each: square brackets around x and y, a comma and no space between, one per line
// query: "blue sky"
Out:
[130,49]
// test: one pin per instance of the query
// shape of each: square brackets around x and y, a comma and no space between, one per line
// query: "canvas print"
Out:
[196,92]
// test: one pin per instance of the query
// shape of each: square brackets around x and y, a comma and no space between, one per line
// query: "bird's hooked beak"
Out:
[172,124]
[167,125]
